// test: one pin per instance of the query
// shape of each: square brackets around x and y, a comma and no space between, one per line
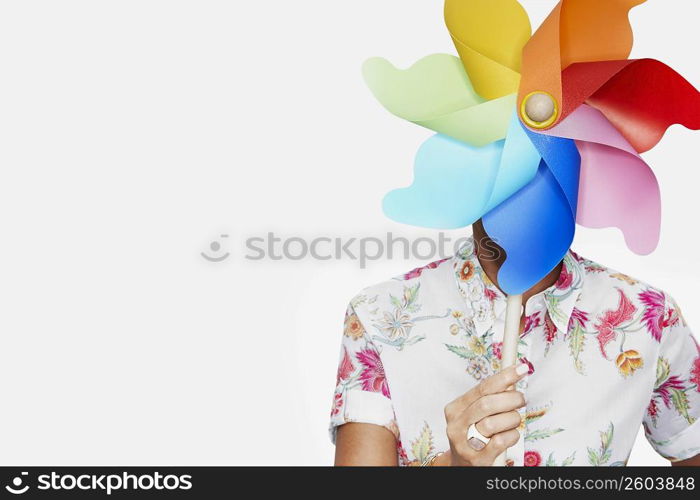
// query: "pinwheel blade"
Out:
[536,225]
[436,93]
[575,31]
[455,183]
[619,190]
[432,87]
[451,184]
[518,166]
[644,99]
[489,36]
[590,125]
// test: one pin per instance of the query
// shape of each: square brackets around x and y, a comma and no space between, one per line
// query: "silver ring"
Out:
[476,439]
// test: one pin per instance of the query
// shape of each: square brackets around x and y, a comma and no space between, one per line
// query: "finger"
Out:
[503,380]
[498,444]
[485,407]
[492,385]
[501,422]
[494,404]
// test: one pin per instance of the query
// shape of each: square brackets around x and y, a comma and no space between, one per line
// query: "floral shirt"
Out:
[606,353]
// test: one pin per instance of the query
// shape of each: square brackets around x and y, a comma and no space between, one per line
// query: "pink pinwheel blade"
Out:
[619,190]
[588,124]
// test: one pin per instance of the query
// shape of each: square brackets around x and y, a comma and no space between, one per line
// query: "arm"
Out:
[491,405]
[673,429]
[691,462]
[365,445]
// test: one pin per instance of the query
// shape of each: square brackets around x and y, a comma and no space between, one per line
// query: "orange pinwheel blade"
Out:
[595,30]
[575,31]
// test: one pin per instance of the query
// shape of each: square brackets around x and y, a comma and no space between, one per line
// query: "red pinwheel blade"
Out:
[644,98]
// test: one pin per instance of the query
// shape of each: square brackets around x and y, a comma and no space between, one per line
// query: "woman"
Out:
[600,354]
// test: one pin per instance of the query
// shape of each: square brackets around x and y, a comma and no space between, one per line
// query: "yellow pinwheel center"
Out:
[539,110]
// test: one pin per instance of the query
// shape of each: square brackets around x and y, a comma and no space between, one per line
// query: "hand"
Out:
[492,407]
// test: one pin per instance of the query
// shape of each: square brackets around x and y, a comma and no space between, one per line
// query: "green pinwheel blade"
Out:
[436,93]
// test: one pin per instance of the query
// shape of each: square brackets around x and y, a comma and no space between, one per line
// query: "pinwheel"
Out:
[535,133]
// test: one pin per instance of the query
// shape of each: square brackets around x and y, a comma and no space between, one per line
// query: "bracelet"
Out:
[430,459]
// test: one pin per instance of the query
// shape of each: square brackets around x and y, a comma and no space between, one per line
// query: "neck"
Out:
[491,258]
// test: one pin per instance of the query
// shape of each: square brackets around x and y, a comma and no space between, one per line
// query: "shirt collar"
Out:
[485,302]
[561,298]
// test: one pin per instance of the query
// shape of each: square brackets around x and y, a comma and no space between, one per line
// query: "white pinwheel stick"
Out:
[511,337]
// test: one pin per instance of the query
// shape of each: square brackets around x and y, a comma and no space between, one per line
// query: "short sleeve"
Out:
[672,422]
[362,391]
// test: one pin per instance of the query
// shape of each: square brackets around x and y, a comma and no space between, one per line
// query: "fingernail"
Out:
[522,369]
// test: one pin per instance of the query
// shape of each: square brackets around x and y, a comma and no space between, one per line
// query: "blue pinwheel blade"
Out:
[564,160]
[536,225]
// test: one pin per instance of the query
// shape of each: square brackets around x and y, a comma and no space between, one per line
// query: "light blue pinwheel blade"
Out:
[455,183]
[519,164]
[452,184]
[536,226]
